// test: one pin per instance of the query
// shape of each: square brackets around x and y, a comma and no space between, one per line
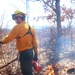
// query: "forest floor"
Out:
[63,62]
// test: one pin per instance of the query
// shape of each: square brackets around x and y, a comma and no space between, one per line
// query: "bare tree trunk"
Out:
[58,18]
[57,46]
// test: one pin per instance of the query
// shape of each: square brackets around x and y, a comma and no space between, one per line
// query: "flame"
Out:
[50,70]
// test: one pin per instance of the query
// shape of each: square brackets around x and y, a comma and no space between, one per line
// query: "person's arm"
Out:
[35,51]
[12,35]
[35,46]
[35,43]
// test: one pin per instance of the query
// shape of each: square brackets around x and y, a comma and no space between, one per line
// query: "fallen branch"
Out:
[9,63]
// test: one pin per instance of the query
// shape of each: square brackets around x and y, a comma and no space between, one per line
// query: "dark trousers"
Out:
[26,61]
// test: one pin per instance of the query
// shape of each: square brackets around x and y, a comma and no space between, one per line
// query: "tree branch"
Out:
[51,6]
[8,63]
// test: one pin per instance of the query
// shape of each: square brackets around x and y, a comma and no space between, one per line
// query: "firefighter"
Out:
[26,42]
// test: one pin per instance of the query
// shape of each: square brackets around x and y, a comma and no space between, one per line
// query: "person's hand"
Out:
[0,43]
[35,58]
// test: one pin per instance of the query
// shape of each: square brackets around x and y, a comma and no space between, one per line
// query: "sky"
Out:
[9,6]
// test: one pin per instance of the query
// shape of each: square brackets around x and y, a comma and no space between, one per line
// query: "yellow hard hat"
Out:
[18,12]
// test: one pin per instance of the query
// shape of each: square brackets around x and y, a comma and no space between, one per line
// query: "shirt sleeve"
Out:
[35,42]
[12,35]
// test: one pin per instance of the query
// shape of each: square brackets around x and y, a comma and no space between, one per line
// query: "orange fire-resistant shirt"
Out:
[25,42]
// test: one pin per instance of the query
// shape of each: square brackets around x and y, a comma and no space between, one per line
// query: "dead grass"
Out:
[46,56]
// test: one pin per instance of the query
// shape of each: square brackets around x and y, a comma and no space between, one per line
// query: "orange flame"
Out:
[51,70]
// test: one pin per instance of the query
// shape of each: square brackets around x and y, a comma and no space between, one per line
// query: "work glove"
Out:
[0,43]
[35,58]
